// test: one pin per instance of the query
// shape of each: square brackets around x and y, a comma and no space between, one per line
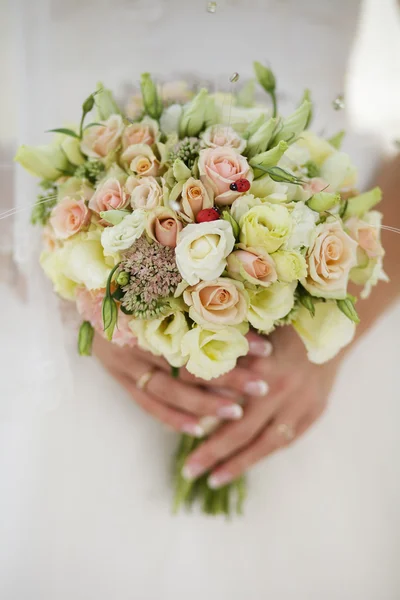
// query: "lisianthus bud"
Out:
[47,162]
[151,100]
[85,339]
[105,103]
[194,115]
[265,77]
[323,201]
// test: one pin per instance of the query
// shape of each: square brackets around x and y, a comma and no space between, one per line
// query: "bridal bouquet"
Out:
[179,225]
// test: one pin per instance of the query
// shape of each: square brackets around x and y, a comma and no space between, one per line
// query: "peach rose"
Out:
[163,226]
[100,140]
[194,198]
[219,167]
[145,192]
[68,217]
[367,237]
[109,195]
[89,306]
[329,260]
[222,135]
[252,266]
[140,159]
[145,132]
[216,304]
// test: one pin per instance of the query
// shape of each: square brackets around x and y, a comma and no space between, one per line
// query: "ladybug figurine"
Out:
[207,214]
[241,185]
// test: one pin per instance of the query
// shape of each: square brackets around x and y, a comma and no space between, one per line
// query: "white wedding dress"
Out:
[84,475]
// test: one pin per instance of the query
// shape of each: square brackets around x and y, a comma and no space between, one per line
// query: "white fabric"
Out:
[85,501]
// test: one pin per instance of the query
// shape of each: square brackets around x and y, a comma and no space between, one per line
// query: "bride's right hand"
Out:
[179,403]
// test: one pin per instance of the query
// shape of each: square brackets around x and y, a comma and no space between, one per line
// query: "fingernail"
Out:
[256,388]
[232,412]
[218,480]
[260,347]
[193,429]
[208,424]
[192,471]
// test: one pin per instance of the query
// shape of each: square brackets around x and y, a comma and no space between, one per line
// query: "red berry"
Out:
[207,214]
[243,185]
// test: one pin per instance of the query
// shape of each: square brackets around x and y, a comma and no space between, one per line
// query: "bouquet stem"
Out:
[222,501]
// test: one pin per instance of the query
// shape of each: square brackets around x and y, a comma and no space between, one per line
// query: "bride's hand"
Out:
[181,403]
[298,393]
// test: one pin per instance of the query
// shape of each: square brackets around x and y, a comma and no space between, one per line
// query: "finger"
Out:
[242,382]
[259,345]
[190,398]
[230,438]
[171,417]
[280,432]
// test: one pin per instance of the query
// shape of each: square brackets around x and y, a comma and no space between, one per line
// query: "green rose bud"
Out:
[268,159]
[195,114]
[290,265]
[266,226]
[105,103]
[47,162]
[265,77]
[323,201]
[85,339]
[151,99]
[359,205]
[258,141]
[88,104]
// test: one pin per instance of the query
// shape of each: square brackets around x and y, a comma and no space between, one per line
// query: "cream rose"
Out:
[163,226]
[122,236]
[194,198]
[366,235]
[98,141]
[218,136]
[202,250]
[145,132]
[266,226]
[253,266]
[329,260]
[109,195]
[325,333]
[304,220]
[145,192]
[140,159]
[290,265]
[215,304]
[243,204]
[163,336]
[68,217]
[219,168]
[268,305]
[213,353]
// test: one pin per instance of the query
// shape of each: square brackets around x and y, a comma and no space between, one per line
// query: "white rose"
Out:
[140,159]
[325,334]
[145,192]
[222,135]
[163,336]
[242,205]
[267,305]
[213,353]
[122,236]
[202,250]
[304,222]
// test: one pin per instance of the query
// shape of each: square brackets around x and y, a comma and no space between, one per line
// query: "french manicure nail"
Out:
[260,347]
[218,480]
[232,412]
[190,472]
[209,424]
[256,388]
[193,429]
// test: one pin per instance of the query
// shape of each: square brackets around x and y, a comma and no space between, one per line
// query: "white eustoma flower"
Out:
[304,220]
[202,250]
[122,236]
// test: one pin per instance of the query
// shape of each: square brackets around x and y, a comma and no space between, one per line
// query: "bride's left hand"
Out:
[298,394]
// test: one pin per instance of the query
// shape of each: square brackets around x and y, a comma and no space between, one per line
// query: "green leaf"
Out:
[307,96]
[280,175]
[337,139]
[343,209]
[85,339]
[259,140]
[347,308]
[307,301]
[361,204]
[93,125]
[226,215]
[110,316]
[64,131]
[109,280]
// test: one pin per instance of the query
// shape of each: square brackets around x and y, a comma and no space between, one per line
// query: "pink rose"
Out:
[194,198]
[330,259]
[89,305]
[221,135]
[316,185]
[219,167]
[145,132]
[367,237]
[109,195]
[145,192]
[218,303]
[68,217]
[163,226]
[252,266]
[100,140]
[140,159]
